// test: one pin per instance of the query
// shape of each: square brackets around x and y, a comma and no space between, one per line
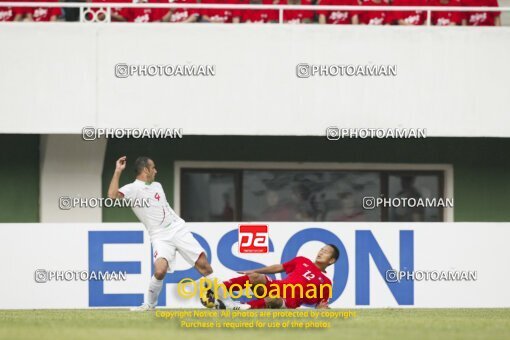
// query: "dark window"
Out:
[274,195]
[209,196]
[305,195]
[409,185]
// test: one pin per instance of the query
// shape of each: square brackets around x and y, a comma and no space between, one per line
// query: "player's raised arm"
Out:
[275,268]
[113,190]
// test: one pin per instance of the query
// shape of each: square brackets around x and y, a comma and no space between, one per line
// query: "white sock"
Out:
[154,290]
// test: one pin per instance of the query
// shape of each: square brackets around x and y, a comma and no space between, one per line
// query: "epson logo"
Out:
[363,247]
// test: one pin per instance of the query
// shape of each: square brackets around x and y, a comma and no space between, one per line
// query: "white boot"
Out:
[143,308]
[231,304]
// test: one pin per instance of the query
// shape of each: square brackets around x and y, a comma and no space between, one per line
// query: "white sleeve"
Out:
[128,191]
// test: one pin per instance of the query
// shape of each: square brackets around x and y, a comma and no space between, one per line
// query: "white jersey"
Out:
[159,218]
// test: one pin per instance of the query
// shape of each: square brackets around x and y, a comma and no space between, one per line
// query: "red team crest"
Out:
[253,238]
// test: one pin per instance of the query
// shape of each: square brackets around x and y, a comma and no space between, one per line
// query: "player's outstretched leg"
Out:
[204,267]
[235,284]
[253,278]
[160,269]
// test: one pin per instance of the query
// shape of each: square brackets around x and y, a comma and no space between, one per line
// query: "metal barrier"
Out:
[87,14]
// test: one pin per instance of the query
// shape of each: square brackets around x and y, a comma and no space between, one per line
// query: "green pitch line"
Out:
[368,324]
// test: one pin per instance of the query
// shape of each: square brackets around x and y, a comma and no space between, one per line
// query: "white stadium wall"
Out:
[69,167]
[367,251]
[65,73]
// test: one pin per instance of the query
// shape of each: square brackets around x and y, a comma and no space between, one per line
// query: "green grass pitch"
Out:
[368,324]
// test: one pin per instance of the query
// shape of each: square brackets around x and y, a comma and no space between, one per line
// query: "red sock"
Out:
[257,304]
[239,280]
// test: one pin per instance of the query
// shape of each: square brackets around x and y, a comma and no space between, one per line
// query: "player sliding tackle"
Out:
[167,231]
[304,284]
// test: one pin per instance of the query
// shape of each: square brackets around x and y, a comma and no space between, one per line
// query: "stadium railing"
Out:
[87,14]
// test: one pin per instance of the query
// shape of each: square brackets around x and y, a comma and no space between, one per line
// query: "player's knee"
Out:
[160,273]
[256,278]
[160,268]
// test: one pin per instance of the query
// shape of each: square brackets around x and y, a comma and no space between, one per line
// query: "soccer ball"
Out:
[207,299]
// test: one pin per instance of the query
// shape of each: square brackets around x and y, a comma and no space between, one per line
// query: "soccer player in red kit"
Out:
[406,18]
[482,18]
[447,18]
[374,17]
[338,17]
[300,272]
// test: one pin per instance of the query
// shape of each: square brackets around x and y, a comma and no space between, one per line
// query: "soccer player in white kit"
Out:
[167,231]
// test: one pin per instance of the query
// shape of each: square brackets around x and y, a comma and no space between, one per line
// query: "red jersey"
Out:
[481,18]
[43,13]
[258,16]
[409,17]
[8,13]
[297,16]
[373,17]
[302,271]
[338,17]
[221,15]
[135,14]
[183,14]
[446,18]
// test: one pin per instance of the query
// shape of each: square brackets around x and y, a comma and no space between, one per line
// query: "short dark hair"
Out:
[336,252]
[141,163]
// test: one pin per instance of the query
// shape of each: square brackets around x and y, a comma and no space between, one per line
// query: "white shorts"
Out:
[183,242]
